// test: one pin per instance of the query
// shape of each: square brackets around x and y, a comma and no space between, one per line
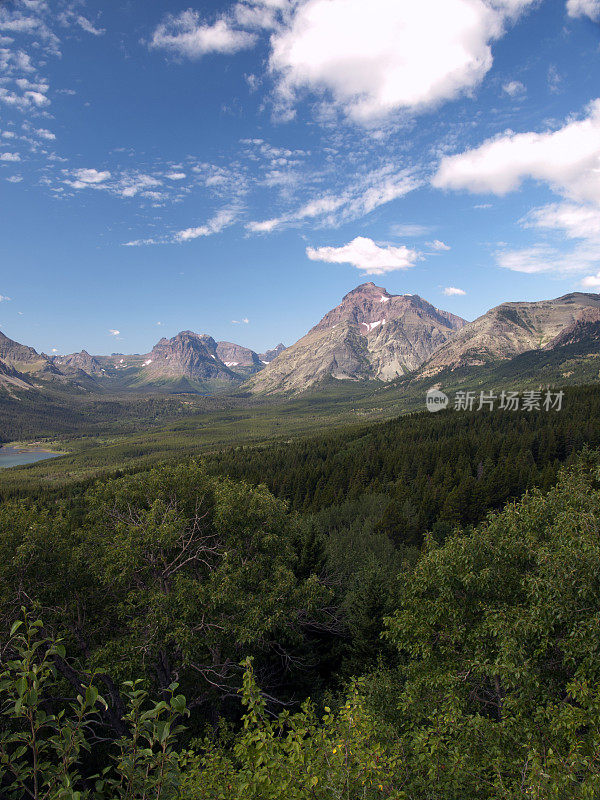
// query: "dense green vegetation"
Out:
[32,415]
[159,585]
[436,470]
[108,434]
[442,625]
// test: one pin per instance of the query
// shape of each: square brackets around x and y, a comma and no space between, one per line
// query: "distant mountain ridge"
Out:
[508,330]
[82,360]
[371,335]
[186,362]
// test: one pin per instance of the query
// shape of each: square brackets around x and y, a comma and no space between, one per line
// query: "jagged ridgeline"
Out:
[188,362]
[371,336]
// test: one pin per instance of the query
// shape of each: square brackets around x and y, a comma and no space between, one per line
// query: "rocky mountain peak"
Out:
[514,328]
[368,289]
[370,307]
[370,334]
[13,351]
[186,355]
[234,355]
[82,360]
[271,355]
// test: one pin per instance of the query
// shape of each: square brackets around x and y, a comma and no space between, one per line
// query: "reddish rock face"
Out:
[189,355]
[370,306]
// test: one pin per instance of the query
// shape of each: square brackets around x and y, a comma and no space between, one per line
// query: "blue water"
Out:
[11,457]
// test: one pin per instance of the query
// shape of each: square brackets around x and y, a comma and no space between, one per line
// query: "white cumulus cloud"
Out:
[186,35]
[451,291]
[114,332]
[365,254]
[567,158]
[382,56]
[439,245]
[43,133]
[87,178]
[591,281]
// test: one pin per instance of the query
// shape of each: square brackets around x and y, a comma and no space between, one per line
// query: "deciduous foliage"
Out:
[171,574]
[498,637]
[483,687]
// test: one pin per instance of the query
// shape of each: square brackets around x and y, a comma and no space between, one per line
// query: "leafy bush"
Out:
[45,739]
[298,756]
[498,695]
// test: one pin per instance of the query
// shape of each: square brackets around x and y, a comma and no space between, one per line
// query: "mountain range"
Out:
[371,335]
[187,362]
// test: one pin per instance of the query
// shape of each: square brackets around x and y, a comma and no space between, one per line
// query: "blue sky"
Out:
[235,168]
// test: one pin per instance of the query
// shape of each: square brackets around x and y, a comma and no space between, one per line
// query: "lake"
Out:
[12,457]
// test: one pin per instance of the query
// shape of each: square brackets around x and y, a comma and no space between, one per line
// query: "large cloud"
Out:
[364,254]
[380,56]
[568,159]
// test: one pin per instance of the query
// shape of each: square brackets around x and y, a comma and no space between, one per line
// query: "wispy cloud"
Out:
[217,223]
[410,230]
[366,194]
[452,291]
[88,26]
[514,89]
[222,219]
